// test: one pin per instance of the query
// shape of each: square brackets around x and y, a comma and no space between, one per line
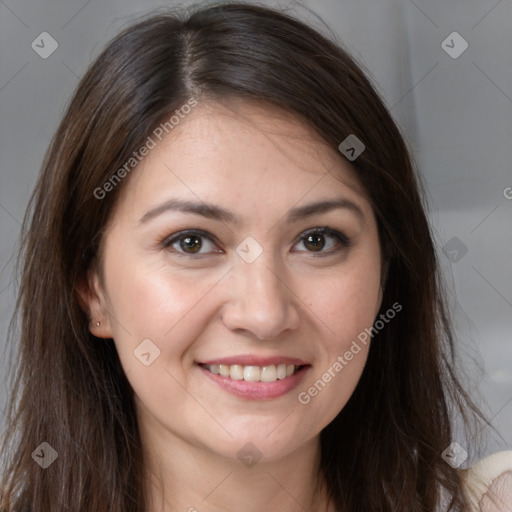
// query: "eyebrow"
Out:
[211,211]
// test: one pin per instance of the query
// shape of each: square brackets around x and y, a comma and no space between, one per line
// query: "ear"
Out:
[91,298]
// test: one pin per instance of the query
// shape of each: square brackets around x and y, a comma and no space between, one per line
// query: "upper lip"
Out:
[251,360]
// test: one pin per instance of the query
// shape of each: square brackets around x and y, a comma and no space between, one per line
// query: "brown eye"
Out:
[318,239]
[315,242]
[191,242]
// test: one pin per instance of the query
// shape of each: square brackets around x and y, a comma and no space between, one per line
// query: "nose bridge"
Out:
[262,301]
[263,282]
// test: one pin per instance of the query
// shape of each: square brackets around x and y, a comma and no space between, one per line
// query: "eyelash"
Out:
[342,239]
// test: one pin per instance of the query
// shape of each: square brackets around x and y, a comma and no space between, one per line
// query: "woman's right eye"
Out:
[190,242]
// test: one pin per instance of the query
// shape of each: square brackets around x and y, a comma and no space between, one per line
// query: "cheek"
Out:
[346,306]
[333,380]
[348,301]
[171,311]
[149,301]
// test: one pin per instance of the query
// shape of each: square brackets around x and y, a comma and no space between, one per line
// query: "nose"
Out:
[261,302]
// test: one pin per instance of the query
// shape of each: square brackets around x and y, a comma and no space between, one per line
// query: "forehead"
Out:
[245,153]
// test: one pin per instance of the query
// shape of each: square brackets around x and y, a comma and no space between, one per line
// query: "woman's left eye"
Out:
[315,239]
[191,242]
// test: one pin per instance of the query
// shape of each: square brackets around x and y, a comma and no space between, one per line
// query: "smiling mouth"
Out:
[250,373]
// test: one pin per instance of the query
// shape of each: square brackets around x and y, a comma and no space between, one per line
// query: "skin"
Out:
[259,163]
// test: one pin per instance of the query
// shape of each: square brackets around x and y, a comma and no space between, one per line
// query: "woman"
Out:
[230,296]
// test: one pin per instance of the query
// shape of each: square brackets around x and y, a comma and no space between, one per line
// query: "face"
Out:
[240,265]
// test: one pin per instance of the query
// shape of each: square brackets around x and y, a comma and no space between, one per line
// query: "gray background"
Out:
[456,114]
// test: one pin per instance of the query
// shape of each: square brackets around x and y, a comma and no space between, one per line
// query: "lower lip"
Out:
[258,390]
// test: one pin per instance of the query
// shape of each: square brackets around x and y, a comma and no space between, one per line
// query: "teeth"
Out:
[281,371]
[269,373]
[236,372]
[252,373]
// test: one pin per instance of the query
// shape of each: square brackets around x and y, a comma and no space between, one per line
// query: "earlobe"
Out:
[92,301]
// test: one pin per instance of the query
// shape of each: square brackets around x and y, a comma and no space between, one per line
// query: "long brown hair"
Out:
[383,450]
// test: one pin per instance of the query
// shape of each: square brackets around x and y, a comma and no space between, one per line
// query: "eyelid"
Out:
[326,230]
[175,237]
[343,239]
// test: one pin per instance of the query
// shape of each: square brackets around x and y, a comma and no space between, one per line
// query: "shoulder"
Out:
[489,483]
